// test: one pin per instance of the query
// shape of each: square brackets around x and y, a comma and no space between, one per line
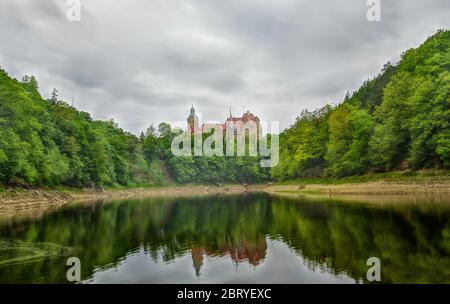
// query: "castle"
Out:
[247,123]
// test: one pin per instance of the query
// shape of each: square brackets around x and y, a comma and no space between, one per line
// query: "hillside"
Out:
[47,143]
[398,120]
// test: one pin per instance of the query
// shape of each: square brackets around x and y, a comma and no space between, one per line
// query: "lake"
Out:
[245,238]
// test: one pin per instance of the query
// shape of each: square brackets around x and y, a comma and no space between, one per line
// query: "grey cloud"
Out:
[143,62]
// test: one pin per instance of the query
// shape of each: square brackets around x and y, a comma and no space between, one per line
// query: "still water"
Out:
[248,238]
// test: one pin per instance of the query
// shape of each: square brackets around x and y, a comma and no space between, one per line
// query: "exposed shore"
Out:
[17,201]
[379,193]
[367,188]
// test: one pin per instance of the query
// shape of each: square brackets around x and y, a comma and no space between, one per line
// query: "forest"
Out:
[398,120]
[50,143]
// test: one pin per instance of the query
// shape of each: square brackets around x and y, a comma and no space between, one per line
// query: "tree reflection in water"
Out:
[413,243]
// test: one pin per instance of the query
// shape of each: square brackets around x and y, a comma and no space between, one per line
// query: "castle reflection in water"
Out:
[253,252]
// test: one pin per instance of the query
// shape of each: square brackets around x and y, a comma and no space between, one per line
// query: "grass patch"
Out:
[423,176]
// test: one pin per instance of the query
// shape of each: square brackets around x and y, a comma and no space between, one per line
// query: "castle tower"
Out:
[192,121]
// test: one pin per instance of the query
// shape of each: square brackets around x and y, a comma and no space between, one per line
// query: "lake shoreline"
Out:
[365,188]
[20,200]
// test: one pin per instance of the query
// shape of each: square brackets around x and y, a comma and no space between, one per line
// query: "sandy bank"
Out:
[366,188]
[16,201]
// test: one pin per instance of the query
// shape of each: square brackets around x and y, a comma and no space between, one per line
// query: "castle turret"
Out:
[192,121]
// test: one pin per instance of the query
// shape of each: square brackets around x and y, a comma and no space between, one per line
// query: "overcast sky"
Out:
[147,61]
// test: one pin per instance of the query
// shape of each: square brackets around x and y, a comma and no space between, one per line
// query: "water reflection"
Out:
[236,238]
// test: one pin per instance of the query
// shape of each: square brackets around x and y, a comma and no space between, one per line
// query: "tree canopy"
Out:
[400,119]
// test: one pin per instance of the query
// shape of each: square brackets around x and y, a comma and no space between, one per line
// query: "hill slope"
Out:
[45,142]
[49,143]
[398,120]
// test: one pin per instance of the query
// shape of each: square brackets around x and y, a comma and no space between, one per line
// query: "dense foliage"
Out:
[398,120]
[204,169]
[49,143]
